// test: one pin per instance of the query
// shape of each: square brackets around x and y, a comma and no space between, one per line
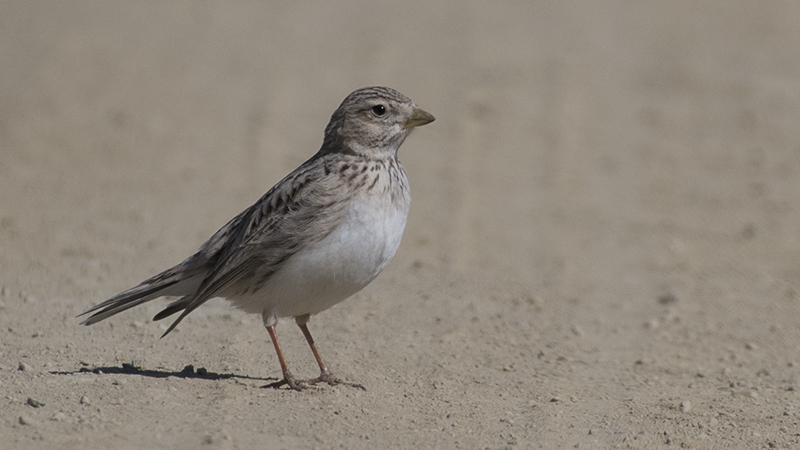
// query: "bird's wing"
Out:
[300,210]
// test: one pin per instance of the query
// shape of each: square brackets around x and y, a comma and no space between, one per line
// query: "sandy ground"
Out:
[603,249]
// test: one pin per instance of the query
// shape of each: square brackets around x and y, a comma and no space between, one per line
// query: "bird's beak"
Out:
[418,119]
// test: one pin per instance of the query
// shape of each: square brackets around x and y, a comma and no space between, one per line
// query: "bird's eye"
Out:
[379,110]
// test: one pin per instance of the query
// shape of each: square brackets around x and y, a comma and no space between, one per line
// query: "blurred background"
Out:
[610,183]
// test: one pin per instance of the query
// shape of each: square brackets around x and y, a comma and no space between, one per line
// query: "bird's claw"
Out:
[327,377]
[290,381]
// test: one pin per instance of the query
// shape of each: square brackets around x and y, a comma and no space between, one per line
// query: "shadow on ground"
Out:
[187,372]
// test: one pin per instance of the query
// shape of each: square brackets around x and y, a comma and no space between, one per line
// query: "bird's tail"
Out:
[174,281]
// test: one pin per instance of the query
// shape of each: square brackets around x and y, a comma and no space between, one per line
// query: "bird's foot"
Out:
[327,377]
[290,381]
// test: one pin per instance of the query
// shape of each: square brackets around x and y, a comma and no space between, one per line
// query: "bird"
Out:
[317,237]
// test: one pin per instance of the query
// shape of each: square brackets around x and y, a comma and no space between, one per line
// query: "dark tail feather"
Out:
[187,307]
[203,291]
[173,307]
[170,282]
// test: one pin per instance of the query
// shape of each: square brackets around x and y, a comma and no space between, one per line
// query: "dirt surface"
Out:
[603,249]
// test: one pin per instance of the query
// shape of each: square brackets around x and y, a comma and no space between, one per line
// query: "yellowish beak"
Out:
[418,119]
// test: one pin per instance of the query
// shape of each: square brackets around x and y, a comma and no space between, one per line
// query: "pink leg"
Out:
[288,378]
[325,375]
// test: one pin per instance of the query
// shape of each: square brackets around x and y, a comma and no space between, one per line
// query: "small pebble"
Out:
[23,367]
[188,370]
[751,346]
[130,367]
[26,420]
[35,403]
[59,417]
[666,299]
[85,400]
[686,406]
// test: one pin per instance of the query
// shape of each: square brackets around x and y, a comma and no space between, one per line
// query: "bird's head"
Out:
[372,121]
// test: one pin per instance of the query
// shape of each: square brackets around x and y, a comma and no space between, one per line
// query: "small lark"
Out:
[317,237]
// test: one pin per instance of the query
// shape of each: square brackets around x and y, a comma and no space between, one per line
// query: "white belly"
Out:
[335,268]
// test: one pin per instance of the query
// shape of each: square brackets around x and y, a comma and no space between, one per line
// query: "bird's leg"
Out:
[288,378]
[325,375]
